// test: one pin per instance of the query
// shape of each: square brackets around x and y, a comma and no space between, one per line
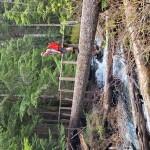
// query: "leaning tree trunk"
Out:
[132,16]
[90,13]
[109,71]
[136,105]
[138,116]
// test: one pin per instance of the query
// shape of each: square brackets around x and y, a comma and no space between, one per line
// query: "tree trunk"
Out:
[142,70]
[138,116]
[90,13]
[109,72]
[133,25]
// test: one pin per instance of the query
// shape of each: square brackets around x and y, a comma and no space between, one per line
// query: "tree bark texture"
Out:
[143,74]
[82,141]
[109,72]
[89,19]
[138,116]
[138,49]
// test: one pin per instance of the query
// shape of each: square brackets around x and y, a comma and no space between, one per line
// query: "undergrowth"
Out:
[94,129]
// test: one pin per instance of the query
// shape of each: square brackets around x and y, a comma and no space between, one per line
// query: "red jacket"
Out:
[54,45]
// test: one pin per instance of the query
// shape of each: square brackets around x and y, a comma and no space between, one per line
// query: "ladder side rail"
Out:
[60,96]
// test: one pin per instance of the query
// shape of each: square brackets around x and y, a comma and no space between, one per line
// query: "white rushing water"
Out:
[119,71]
[100,72]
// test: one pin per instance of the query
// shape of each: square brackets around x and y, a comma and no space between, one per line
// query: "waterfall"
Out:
[119,69]
[100,72]
[119,72]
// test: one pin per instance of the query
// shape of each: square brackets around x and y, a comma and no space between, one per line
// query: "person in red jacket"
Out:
[55,48]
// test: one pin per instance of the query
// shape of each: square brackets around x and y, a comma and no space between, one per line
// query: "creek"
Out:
[119,72]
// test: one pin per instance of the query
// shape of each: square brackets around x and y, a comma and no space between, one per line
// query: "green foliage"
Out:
[94,125]
[25,73]
[50,143]
[75,34]
[44,144]
[26,144]
[4,29]
[25,12]
[103,45]
[24,76]
[7,143]
[104,5]
[12,129]
[62,138]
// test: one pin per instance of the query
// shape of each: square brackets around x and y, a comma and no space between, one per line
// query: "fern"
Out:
[62,138]
[34,97]
[57,62]
[26,144]
[53,77]
[94,123]
[24,106]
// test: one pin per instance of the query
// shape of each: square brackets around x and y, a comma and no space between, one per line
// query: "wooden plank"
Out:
[41,96]
[65,108]
[66,90]
[65,115]
[47,25]
[60,94]
[48,121]
[69,91]
[69,62]
[72,22]
[66,79]
[68,99]
[53,121]
[50,113]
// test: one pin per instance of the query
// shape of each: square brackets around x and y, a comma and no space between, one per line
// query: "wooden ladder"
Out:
[71,79]
[67,79]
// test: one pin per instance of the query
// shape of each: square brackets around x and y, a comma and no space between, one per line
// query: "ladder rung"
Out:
[66,90]
[66,79]
[65,108]
[65,114]
[68,99]
[44,121]
[69,62]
